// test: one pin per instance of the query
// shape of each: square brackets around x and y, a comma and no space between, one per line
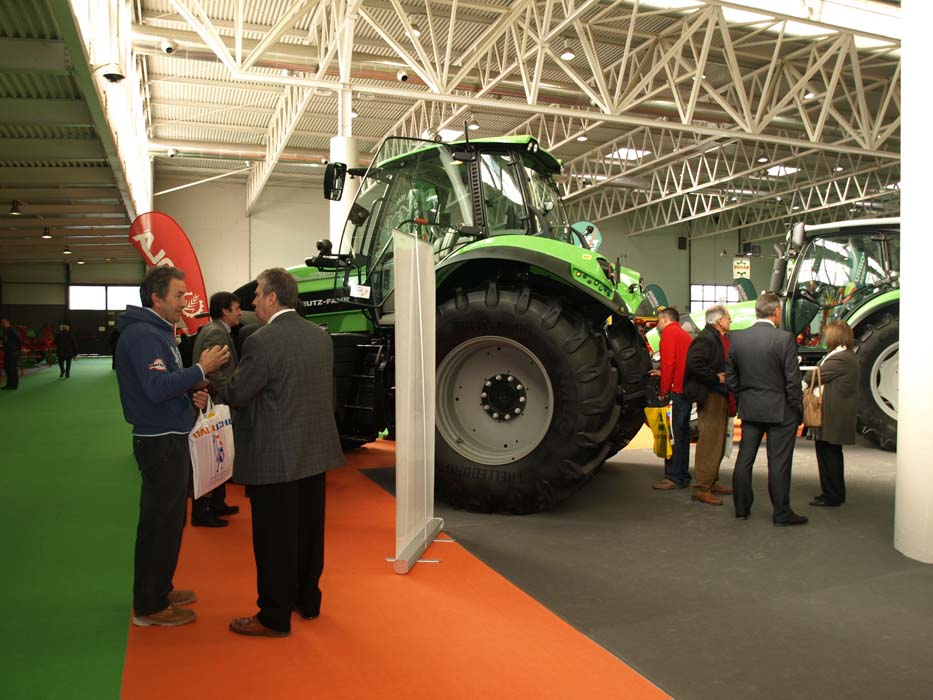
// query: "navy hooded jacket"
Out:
[153,383]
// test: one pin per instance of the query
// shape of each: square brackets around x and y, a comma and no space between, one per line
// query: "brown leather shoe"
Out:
[706,497]
[724,490]
[252,627]
[182,597]
[170,617]
[664,485]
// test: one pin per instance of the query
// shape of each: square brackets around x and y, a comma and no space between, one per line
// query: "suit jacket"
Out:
[11,341]
[763,373]
[65,344]
[705,360]
[215,333]
[840,376]
[283,388]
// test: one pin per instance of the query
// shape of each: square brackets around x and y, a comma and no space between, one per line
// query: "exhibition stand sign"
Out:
[415,524]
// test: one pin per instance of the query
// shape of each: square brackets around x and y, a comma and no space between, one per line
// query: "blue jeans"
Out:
[677,468]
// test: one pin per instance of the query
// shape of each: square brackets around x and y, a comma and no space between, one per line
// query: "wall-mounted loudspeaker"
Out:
[682,243]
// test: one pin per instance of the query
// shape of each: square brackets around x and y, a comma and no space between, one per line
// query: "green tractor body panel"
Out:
[579,268]
[875,305]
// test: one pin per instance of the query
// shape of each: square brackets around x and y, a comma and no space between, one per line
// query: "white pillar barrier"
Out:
[415,524]
[913,510]
[343,149]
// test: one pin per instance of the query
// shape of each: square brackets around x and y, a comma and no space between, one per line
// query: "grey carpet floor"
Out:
[712,608]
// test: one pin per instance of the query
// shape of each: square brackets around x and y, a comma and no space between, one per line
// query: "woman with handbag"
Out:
[838,374]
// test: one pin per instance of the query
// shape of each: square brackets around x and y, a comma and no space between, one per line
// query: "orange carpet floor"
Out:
[450,630]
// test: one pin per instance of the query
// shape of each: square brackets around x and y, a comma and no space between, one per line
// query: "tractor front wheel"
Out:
[526,399]
[878,343]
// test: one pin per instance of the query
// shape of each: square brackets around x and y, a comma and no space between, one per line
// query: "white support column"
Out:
[344,148]
[913,510]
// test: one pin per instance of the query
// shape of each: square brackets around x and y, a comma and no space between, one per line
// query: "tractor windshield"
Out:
[415,187]
[832,278]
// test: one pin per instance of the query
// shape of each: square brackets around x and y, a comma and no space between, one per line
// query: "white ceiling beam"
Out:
[289,18]
[291,106]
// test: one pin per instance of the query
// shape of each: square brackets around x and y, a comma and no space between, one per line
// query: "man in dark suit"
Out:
[762,371]
[225,312]
[67,349]
[11,348]
[286,439]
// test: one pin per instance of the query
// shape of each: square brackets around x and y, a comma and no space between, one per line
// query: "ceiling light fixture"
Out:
[472,125]
[353,114]
[15,209]
[567,54]
[46,233]
[415,29]
[80,262]
[583,137]
[67,251]
[763,159]
[809,95]
[838,169]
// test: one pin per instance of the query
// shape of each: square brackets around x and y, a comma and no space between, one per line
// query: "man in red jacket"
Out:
[675,342]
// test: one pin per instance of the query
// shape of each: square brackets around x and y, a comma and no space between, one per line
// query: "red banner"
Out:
[161,241]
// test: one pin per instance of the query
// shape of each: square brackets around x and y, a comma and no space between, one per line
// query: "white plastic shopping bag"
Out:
[730,431]
[211,445]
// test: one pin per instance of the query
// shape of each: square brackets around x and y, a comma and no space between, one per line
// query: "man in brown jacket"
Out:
[286,439]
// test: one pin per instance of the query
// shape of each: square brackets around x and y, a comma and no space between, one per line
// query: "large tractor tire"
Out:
[633,362]
[878,359]
[526,400]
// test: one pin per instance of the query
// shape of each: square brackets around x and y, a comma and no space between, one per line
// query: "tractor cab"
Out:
[449,195]
[836,273]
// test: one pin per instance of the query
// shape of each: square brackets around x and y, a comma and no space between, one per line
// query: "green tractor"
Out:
[841,271]
[541,369]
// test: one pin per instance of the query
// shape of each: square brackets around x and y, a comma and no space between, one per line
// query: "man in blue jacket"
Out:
[154,392]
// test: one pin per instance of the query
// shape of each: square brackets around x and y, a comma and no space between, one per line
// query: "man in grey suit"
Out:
[225,312]
[763,373]
[286,439]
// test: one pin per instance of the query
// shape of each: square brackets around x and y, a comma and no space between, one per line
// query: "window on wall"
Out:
[88,297]
[703,296]
[119,297]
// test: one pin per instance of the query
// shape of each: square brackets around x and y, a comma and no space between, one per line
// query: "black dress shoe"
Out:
[208,521]
[307,614]
[820,501]
[227,510]
[742,516]
[793,519]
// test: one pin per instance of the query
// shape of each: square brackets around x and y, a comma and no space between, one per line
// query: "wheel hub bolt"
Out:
[517,411]
[503,397]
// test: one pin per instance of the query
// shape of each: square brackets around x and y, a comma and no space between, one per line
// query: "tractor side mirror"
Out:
[797,236]
[335,174]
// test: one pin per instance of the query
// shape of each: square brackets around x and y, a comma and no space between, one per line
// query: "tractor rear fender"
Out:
[881,303]
[587,282]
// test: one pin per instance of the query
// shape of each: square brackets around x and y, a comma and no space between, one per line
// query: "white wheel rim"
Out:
[883,380]
[467,426]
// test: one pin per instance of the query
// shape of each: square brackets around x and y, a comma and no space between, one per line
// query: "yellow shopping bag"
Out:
[659,420]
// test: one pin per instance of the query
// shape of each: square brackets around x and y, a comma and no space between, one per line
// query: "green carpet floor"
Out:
[70,492]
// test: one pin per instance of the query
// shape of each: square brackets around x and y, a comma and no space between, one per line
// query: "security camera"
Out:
[171,153]
[112,72]
[401,75]
[168,46]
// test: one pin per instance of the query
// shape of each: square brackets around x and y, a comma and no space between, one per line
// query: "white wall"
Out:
[233,248]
